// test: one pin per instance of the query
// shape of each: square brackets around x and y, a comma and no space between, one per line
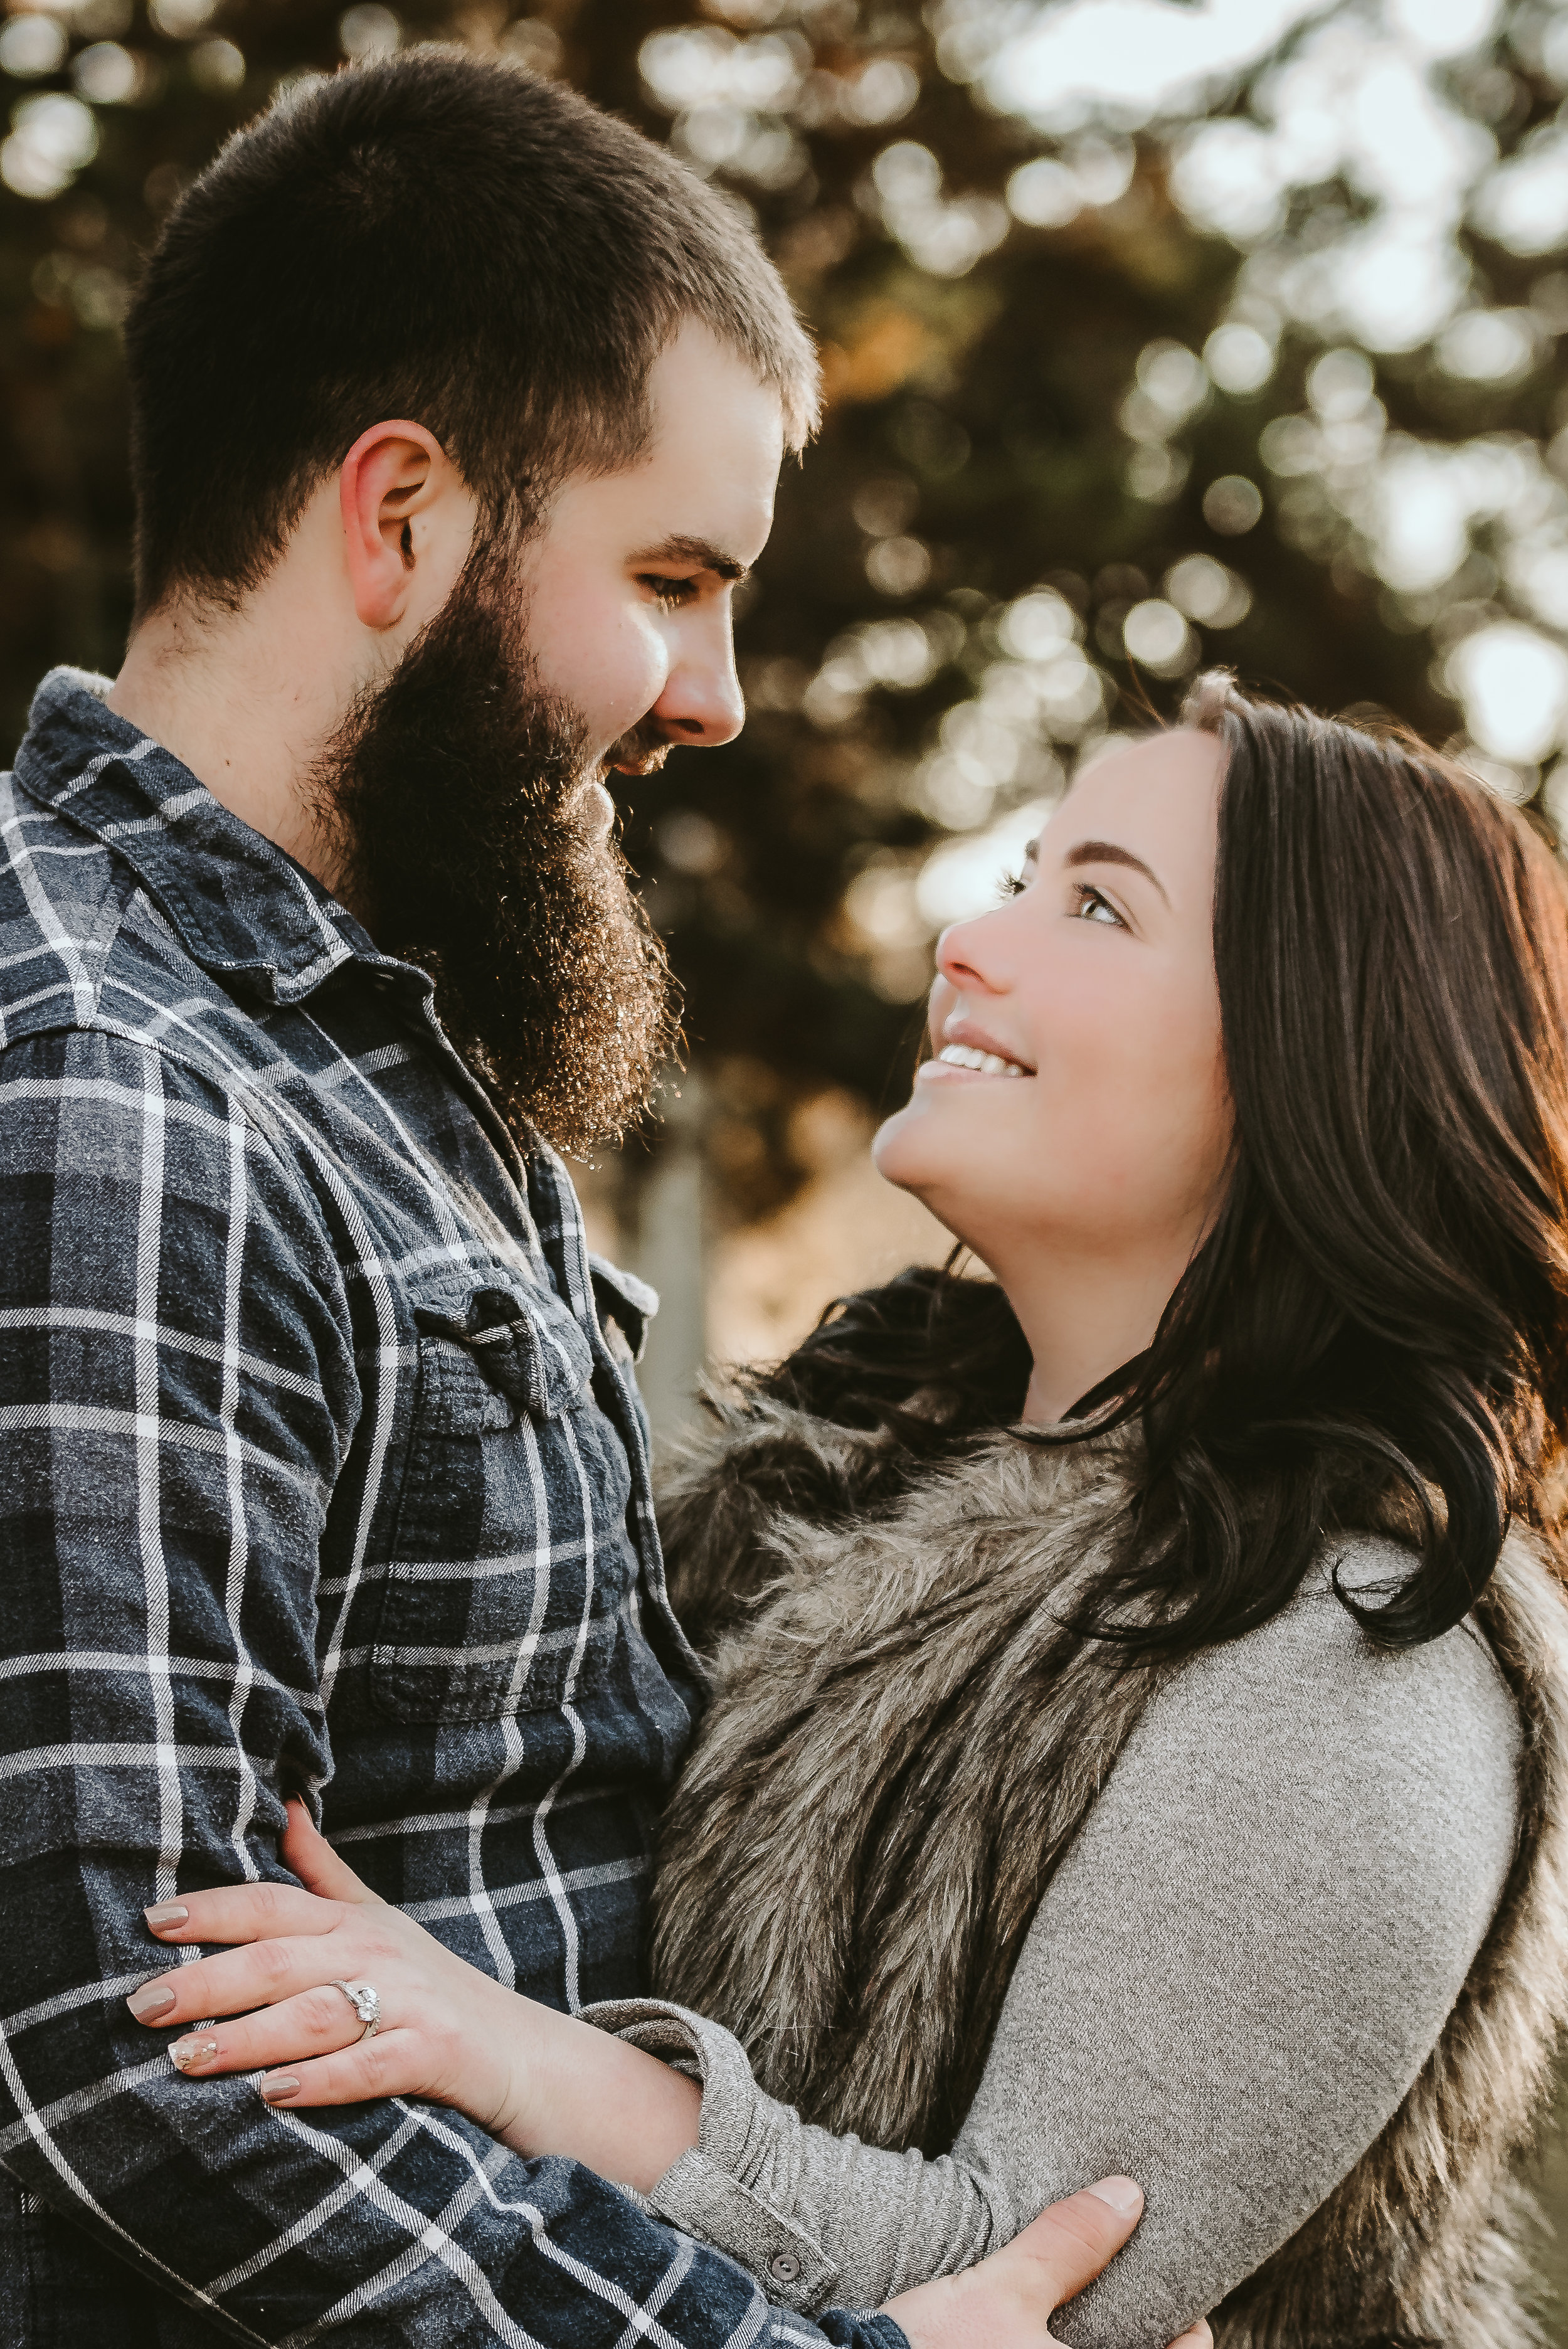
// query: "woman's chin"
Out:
[903,1154]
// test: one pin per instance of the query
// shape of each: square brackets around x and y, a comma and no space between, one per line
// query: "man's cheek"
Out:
[637,671]
[606,662]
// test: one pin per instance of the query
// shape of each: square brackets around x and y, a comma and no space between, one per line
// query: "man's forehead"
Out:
[715,421]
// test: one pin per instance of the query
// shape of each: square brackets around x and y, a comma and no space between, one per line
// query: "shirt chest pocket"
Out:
[490,1579]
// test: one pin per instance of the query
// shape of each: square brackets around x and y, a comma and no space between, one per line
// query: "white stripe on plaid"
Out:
[118,1660]
[578,1751]
[553,1886]
[53,932]
[322,2212]
[150,1430]
[65,1317]
[228,1411]
[35,2128]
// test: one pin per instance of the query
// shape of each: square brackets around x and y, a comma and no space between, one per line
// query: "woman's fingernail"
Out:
[167,1913]
[186,2053]
[149,2003]
[275,2092]
[1120,2192]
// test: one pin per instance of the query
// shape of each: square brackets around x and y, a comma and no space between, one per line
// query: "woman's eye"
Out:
[1092,908]
[669,593]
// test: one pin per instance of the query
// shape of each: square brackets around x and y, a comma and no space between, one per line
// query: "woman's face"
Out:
[1077,1093]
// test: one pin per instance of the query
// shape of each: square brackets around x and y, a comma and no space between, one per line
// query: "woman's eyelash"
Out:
[1015,884]
[1088,894]
[669,592]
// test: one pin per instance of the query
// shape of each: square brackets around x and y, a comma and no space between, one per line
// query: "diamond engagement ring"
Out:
[366,2001]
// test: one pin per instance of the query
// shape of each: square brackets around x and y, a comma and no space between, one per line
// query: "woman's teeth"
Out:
[988,1064]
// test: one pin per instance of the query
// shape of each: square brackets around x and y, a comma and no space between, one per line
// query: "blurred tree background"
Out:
[1156,332]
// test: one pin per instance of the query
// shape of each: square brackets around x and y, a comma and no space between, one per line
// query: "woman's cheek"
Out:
[941,1002]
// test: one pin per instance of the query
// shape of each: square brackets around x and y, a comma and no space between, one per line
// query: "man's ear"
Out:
[391,479]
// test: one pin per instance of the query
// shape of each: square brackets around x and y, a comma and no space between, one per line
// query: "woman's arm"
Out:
[1230,1985]
[1005,2303]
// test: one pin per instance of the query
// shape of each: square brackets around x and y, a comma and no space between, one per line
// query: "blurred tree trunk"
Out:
[669,1228]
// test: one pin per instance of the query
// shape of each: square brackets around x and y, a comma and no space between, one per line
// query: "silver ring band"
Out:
[366,2001]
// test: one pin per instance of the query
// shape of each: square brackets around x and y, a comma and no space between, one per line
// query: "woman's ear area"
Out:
[405,508]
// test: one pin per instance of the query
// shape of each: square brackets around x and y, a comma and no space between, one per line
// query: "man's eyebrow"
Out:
[1106,852]
[700,550]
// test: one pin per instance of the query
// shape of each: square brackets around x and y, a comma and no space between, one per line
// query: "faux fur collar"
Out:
[904,1738]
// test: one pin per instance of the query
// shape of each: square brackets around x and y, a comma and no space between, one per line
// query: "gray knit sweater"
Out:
[1230,1984]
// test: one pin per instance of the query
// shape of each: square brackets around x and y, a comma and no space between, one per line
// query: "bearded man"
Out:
[458,411]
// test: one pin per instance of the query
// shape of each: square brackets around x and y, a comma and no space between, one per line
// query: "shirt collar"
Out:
[241,907]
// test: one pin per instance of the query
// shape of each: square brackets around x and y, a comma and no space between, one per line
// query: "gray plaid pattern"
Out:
[324,1470]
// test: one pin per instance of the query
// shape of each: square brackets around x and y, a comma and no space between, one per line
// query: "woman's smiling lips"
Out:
[968,1053]
[958,1064]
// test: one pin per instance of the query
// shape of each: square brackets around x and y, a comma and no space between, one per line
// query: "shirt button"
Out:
[783,2267]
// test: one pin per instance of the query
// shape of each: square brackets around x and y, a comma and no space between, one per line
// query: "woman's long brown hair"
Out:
[1378,1321]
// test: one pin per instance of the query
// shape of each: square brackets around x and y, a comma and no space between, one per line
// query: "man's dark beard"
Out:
[455,793]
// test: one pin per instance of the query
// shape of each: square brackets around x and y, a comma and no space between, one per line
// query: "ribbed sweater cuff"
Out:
[726,2190]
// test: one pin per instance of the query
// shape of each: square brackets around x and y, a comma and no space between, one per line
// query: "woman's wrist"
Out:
[579,2092]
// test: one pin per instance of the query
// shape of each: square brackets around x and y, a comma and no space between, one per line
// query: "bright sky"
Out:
[1140,58]
[1358,96]
[1145,57]
[1362,95]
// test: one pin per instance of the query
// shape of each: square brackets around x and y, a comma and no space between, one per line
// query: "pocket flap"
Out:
[526,1345]
[625,1303]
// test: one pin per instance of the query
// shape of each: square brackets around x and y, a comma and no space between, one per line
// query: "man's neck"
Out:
[248,704]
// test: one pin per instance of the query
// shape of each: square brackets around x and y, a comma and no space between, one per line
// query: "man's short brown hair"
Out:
[436,236]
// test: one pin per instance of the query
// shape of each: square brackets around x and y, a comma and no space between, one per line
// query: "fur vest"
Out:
[902,1742]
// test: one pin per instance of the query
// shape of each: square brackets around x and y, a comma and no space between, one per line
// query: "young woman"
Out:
[1138,1737]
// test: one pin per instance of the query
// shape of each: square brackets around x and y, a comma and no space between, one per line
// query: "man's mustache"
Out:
[641,750]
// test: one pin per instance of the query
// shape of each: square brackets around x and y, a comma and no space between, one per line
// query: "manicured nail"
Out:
[1120,2192]
[149,2003]
[275,2092]
[166,1913]
[186,2053]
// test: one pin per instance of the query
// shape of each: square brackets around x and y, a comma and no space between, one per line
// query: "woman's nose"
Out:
[970,955]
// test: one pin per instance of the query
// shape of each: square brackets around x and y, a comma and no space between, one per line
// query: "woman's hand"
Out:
[540,2081]
[1007,2301]
[448,2032]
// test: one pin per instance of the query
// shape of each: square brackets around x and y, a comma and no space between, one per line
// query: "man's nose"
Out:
[702,704]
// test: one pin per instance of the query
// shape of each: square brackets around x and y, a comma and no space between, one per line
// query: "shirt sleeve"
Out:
[177,1392]
[1231,1983]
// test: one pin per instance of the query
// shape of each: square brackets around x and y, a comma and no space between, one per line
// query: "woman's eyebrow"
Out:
[1106,852]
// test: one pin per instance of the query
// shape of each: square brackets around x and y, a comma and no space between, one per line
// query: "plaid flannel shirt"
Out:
[323,1469]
